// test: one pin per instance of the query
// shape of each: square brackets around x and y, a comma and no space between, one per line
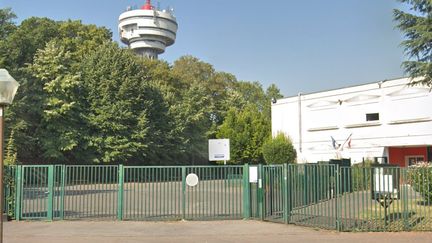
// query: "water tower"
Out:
[148,30]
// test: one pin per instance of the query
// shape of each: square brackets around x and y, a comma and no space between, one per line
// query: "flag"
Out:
[348,141]
[334,143]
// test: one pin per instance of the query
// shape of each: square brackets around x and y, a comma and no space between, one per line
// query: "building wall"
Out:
[397,156]
[405,119]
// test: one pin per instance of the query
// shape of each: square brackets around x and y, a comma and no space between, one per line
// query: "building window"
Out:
[413,159]
[380,160]
[372,117]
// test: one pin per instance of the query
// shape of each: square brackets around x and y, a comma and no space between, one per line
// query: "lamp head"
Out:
[8,87]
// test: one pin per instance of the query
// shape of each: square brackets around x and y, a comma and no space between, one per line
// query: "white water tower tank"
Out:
[148,30]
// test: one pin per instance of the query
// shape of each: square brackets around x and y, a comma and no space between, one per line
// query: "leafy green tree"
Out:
[416,25]
[60,128]
[21,45]
[127,117]
[17,50]
[201,107]
[272,93]
[279,150]
[250,93]
[247,130]
[44,57]
[192,121]
[7,25]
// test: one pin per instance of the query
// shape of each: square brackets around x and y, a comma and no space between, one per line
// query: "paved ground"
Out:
[192,231]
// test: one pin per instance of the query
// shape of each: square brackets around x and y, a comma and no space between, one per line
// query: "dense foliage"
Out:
[420,178]
[416,25]
[279,150]
[84,99]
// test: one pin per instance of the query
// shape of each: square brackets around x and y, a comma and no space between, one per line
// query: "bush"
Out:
[361,175]
[9,190]
[420,178]
[279,150]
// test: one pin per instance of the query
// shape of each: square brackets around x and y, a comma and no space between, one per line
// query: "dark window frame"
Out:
[372,116]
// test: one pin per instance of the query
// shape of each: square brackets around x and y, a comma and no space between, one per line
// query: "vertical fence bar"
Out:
[260,194]
[246,192]
[62,191]
[50,192]
[337,206]
[285,195]
[183,197]
[120,192]
[18,192]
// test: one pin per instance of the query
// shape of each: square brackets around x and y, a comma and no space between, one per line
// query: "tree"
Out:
[60,132]
[247,130]
[19,48]
[44,56]
[7,25]
[272,93]
[417,28]
[127,117]
[279,150]
[201,106]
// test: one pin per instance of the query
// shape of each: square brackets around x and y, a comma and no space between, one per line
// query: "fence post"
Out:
[62,190]
[183,192]
[50,208]
[260,194]
[120,192]
[18,186]
[404,196]
[246,192]
[286,195]
[337,187]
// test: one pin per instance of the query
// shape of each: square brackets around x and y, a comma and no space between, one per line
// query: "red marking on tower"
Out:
[147,6]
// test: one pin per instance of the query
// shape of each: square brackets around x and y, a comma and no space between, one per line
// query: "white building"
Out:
[387,121]
[148,30]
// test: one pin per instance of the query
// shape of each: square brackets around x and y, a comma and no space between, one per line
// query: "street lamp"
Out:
[8,88]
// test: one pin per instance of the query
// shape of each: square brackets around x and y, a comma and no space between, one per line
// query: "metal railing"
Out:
[126,192]
[317,195]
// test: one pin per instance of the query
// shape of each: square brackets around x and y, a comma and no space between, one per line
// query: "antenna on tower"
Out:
[147,5]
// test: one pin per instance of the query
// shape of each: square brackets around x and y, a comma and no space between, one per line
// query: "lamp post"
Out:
[8,88]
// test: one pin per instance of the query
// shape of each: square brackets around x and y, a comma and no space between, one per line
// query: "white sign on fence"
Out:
[192,180]
[219,150]
[253,174]
[383,183]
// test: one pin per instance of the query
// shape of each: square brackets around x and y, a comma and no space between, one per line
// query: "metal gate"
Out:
[313,195]
[36,194]
[274,186]
[128,192]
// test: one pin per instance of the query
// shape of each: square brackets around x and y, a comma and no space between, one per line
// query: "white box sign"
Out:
[383,183]
[219,149]
[253,174]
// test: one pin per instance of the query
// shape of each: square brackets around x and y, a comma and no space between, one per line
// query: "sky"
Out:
[301,46]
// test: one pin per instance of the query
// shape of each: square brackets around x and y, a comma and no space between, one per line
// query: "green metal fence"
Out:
[273,180]
[386,199]
[127,192]
[87,192]
[313,195]
[317,195]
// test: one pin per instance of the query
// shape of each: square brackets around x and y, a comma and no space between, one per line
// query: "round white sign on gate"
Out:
[192,179]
